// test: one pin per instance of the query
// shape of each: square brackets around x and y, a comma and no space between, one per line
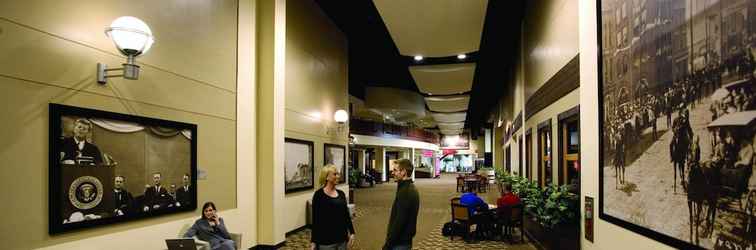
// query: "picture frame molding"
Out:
[55,220]
[312,165]
[344,167]
[647,232]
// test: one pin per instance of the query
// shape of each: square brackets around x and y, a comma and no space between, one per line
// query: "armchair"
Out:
[204,245]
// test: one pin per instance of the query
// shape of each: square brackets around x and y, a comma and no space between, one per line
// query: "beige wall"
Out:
[316,86]
[550,40]
[606,235]
[49,57]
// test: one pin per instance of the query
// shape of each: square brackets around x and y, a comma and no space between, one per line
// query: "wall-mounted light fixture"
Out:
[341,117]
[132,37]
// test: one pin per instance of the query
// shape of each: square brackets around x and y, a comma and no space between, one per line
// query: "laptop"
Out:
[181,244]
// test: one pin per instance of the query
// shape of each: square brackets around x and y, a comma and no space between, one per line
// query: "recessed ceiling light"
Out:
[461,56]
[418,58]
[430,93]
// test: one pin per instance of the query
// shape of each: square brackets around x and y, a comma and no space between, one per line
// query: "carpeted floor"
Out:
[373,206]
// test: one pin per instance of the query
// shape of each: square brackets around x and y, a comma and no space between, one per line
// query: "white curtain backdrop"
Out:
[130,127]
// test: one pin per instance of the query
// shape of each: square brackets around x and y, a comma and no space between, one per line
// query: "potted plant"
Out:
[552,216]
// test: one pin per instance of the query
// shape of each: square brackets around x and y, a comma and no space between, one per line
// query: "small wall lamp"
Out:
[132,37]
[341,116]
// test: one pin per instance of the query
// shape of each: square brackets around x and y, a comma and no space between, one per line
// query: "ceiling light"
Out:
[461,56]
[418,58]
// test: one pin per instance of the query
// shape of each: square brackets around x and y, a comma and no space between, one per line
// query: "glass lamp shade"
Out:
[131,36]
[341,116]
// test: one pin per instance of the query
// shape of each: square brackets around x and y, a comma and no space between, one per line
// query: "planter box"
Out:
[561,237]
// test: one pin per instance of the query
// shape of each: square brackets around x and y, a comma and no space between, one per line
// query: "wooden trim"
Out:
[517,123]
[545,123]
[569,113]
[562,83]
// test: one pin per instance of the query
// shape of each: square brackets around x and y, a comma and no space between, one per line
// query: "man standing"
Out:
[401,226]
[76,149]
[155,196]
[183,197]
[122,197]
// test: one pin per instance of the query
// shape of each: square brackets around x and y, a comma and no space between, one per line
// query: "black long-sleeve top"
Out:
[331,222]
[403,221]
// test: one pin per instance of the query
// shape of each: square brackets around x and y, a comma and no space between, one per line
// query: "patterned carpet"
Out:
[374,204]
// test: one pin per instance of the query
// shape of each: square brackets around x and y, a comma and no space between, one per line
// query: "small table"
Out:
[471,184]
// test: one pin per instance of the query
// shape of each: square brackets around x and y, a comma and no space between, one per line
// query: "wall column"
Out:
[270,116]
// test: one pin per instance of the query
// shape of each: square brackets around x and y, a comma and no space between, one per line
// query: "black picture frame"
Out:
[668,76]
[326,160]
[306,182]
[100,173]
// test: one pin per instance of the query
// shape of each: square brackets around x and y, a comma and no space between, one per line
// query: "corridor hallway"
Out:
[373,206]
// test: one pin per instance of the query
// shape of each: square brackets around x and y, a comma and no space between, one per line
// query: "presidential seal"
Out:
[85,192]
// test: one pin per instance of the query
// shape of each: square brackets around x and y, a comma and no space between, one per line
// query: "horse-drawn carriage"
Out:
[726,180]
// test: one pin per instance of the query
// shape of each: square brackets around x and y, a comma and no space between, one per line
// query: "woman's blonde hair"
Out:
[327,169]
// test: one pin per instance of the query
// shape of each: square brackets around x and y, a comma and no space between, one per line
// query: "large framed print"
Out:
[107,167]
[336,155]
[677,117]
[298,165]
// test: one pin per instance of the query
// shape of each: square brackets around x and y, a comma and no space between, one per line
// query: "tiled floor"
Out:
[373,206]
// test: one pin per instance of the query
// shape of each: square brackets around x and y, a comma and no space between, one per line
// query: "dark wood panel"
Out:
[517,124]
[561,84]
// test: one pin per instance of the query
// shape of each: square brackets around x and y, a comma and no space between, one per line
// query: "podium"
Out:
[87,189]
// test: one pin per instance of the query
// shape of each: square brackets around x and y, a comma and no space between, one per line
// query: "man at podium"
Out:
[76,149]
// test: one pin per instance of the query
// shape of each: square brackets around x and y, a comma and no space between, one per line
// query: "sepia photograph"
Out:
[298,165]
[107,167]
[678,116]
[336,155]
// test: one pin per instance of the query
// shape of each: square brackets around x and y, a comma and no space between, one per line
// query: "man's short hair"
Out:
[83,121]
[120,176]
[406,165]
[157,173]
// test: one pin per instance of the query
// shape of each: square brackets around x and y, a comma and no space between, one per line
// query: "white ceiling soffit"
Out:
[451,126]
[444,79]
[451,132]
[434,28]
[448,104]
[398,104]
[449,117]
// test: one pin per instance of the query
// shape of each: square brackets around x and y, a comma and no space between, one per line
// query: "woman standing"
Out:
[331,224]
[210,228]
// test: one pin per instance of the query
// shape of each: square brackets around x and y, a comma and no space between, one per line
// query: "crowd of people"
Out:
[624,126]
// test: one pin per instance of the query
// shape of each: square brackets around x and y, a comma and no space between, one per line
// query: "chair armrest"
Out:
[201,244]
[237,238]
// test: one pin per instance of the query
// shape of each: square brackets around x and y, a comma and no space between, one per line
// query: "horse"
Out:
[703,193]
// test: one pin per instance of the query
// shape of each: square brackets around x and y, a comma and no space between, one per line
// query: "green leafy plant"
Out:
[550,206]
[354,178]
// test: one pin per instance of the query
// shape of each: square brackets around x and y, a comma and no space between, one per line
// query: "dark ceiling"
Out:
[374,59]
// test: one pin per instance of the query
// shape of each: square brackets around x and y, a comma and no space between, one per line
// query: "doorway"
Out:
[545,172]
[390,157]
[569,147]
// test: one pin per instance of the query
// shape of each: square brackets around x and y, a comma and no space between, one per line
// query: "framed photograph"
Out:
[109,168]
[677,117]
[336,155]
[298,165]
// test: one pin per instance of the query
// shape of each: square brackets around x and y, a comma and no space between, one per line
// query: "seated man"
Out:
[479,213]
[507,197]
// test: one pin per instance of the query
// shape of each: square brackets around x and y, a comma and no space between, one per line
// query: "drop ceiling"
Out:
[385,35]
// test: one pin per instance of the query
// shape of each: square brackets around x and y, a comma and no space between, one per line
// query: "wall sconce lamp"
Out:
[341,117]
[132,37]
